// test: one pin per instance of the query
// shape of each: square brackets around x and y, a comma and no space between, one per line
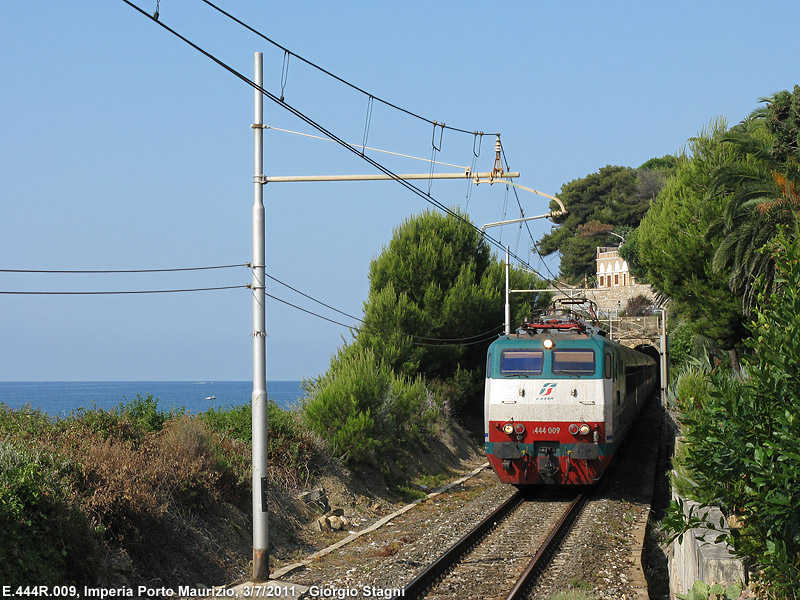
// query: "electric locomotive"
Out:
[560,398]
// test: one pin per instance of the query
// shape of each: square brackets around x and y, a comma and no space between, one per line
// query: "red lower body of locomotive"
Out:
[561,453]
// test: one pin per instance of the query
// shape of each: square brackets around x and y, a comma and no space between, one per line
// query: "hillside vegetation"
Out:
[720,241]
[136,495]
[103,497]
[418,359]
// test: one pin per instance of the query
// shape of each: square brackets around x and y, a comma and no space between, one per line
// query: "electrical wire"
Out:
[483,341]
[121,270]
[312,298]
[360,330]
[419,337]
[336,77]
[308,311]
[465,341]
[275,279]
[300,115]
[108,293]
[324,139]
[305,118]
[553,277]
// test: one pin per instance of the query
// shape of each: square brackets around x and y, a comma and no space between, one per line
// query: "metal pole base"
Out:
[260,564]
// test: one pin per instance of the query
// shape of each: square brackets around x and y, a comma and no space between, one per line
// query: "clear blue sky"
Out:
[123,148]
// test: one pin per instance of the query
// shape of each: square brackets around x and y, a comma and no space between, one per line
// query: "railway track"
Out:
[492,554]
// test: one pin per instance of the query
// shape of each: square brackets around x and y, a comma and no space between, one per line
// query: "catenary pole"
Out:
[259,397]
[508,286]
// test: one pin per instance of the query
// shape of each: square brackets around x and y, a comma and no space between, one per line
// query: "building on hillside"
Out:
[615,285]
[612,271]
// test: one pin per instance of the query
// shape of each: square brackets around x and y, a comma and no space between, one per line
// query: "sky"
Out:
[121,148]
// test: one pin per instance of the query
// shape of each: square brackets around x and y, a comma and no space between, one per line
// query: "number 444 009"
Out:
[550,430]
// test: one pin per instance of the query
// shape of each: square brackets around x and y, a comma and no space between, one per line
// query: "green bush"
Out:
[234,421]
[144,413]
[130,420]
[290,449]
[237,421]
[106,423]
[347,400]
[692,388]
[681,343]
[42,539]
[742,442]
[702,591]
[360,405]
[23,422]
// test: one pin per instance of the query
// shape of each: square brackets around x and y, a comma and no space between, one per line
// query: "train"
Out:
[561,397]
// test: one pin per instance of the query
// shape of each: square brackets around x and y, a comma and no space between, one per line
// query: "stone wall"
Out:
[694,560]
[614,297]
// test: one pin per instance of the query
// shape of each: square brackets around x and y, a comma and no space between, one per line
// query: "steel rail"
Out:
[419,585]
[545,553]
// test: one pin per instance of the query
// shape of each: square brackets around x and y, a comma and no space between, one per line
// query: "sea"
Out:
[60,398]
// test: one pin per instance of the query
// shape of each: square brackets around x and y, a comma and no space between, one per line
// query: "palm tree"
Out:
[763,196]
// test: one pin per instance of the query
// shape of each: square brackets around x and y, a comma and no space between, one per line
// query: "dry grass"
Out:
[385,551]
[130,486]
[127,485]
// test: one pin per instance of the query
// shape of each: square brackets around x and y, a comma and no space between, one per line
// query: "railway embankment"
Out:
[133,496]
[602,559]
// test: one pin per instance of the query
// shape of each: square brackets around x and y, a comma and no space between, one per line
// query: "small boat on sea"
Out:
[211,398]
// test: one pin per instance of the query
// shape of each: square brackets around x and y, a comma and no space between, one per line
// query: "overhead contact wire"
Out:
[323,130]
[554,278]
[334,76]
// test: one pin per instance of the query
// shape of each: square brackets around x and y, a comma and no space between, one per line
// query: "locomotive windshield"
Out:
[521,362]
[573,361]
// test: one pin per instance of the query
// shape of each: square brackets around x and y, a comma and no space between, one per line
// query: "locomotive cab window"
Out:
[574,361]
[521,362]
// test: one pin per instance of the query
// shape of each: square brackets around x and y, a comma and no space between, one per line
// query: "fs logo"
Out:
[547,389]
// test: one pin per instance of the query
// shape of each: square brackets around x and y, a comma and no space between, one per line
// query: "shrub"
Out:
[692,388]
[106,423]
[681,343]
[144,413]
[637,306]
[130,420]
[360,405]
[129,486]
[23,422]
[42,538]
[233,421]
[743,441]
[702,591]
[291,450]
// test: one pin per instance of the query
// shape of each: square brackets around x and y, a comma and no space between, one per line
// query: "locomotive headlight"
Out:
[584,429]
[573,429]
[519,428]
[548,344]
[508,428]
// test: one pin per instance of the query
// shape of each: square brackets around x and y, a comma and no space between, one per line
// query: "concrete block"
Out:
[698,560]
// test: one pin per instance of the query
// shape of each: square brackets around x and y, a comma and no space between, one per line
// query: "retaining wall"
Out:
[694,560]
